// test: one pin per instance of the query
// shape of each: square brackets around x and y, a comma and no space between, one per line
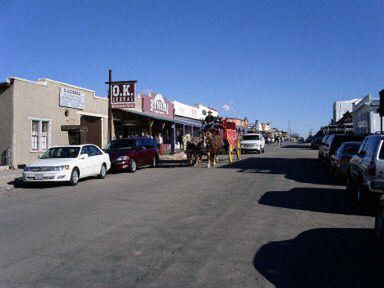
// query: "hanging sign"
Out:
[122,94]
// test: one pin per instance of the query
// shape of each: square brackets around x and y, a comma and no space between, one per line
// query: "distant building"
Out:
[240,123]
[366,120]
[343,126]
[342,107]
[262,126]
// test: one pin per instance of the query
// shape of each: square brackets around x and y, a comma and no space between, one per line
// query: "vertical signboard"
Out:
[122,94]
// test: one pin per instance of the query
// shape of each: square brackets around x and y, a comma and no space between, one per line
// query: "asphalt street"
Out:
[268,220]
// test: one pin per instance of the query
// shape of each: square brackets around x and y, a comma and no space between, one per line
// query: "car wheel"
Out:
[379,228]
[351,186]
[263,150]
[332,171]
[361,196]
[154,162]
[132,166]
[103,171]
[258,151]
[75,175]
[338,176]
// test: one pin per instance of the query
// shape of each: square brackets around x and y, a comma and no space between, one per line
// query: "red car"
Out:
[132,153]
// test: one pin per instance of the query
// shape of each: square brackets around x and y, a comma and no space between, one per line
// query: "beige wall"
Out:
[40,100]
[6,119]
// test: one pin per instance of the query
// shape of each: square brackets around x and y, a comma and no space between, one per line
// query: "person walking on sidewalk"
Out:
[159,141]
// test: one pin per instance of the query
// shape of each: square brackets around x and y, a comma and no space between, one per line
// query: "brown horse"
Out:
[213,147]
[194,151]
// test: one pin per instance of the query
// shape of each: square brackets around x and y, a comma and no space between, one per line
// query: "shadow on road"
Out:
[335,201]
[172,163]
[297,146]
[303,170]
[323,258]
[19,183]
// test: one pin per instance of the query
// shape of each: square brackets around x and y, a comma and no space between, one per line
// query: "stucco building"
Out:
[366,120]
[35,115]
[342,107]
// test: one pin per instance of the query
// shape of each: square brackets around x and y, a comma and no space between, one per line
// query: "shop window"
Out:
[40,135]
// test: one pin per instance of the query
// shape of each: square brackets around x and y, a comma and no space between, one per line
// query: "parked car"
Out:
[366,174]
[68,164]
[339,162]
[132,153]
[252,142]
[321,145]
[333,142]
[315,142]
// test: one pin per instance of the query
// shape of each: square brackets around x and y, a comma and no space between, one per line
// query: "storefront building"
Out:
[152,115]
[37,115]
[188,120]
[366,120]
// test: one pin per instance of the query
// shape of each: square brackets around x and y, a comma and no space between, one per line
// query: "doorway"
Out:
[74,137]
[94,129]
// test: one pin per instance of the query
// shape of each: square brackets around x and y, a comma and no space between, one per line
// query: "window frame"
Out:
[39,134]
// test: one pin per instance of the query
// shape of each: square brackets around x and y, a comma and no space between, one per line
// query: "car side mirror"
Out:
[83,156]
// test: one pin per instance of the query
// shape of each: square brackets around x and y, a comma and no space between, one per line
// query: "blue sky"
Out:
[268,60]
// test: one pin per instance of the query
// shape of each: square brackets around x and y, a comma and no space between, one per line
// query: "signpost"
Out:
[121,94]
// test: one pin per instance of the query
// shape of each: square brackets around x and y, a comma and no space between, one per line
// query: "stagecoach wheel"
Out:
[238,151]
[230,155]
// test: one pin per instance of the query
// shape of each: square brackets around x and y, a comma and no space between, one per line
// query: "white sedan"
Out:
[68,164]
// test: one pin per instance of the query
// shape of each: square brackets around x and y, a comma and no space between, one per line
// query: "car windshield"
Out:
[61,152]
[128,144]
[251,137]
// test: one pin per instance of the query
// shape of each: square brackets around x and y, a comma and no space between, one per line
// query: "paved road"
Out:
[268,220]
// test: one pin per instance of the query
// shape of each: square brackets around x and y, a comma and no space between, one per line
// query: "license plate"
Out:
[38,177]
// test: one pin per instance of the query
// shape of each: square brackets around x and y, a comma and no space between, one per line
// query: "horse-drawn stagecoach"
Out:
[220,139]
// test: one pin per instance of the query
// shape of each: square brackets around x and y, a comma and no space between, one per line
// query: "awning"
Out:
[73,128]
[189,122]
[158,117]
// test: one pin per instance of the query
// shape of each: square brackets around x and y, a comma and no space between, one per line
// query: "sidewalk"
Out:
[177,156]
[8,176]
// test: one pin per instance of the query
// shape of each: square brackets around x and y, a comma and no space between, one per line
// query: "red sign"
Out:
[122,94]
[157,104]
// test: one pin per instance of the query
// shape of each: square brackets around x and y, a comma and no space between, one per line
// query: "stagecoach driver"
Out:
[209,120]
